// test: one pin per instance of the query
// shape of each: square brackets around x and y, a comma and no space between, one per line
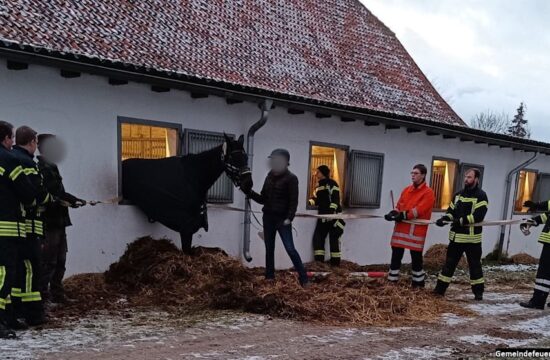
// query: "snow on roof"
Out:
[332,51]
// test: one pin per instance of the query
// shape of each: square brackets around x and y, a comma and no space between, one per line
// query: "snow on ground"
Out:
[453,319]
[342,335]
[486,339]
[510,268]
[540,325]
[421,353]
[494,309]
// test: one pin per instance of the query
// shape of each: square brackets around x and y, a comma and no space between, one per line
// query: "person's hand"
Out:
[246,185]
[525,227]
[391,215]
[78,203]
[287,222]
[530,204]
[399,217]
[442,221]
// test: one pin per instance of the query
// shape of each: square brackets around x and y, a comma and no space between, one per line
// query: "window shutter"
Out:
[365,179]
[543,188]
[198,141]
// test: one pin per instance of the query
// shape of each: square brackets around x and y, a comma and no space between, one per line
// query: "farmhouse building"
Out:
[118,79]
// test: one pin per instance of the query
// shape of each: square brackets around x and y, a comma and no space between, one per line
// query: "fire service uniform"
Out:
[327,199]
[469,206]
[415,202]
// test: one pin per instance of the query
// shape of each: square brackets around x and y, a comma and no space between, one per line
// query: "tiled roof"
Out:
[331,51]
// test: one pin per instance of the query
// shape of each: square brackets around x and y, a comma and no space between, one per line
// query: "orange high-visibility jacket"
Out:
[414,203]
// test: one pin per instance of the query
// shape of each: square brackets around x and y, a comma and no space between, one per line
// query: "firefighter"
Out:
[327,200]
[26,291]
[279,197]
[416,202]
[469,206]
[15,189]
[542,280]
[56,219]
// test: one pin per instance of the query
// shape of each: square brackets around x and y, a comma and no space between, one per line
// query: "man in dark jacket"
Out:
[279,196]
[15,189]
[26,295]
[327,199]
[56,216]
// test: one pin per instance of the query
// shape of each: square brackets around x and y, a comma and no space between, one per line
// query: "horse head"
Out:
[236,163]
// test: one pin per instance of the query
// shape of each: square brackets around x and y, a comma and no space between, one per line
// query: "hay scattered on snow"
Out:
[524,259]
[435,257]
[155,273]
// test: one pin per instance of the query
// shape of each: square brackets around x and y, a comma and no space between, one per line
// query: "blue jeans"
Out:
[272,225]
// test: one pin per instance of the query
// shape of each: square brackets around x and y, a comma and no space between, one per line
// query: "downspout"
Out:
[265,106]
[507,199]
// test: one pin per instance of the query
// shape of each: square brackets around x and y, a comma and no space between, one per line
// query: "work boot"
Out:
[63,299]
[418,284]
[335,262]
[537,301]
[36,320]
[6,333]
[478,296]
[14,323]
[320,258]
[531,304]
[440,288]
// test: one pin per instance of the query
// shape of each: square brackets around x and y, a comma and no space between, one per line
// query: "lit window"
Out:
[147,142]
[334,158]
[443,182]
[527,182]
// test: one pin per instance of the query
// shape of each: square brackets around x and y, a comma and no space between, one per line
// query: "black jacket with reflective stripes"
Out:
[327,197]
[469,206]
[33,214]
[279,195]
[56,215]
[15,190]
[543,218]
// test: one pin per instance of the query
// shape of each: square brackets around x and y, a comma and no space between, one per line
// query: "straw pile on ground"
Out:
[523,259]
[434,258]
[156,273]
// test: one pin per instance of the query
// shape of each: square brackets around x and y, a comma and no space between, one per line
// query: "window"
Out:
[198,141]
[463,170]
[139,140]
[334,157]
[527,182]
[365,180]
[543,187]
[443,182]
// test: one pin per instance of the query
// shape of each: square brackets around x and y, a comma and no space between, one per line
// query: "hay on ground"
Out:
[524,259]
[435,257]
[155,273]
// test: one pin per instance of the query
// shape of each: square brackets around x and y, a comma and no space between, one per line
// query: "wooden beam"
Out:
[69,74]
[231,101]
[159,89]
[392,127]
[503,146]
[116,82]
[371,123]
[449,136]
[432,133]
[321,115]
[295,111]
[479,142]
[197,95]
[15,65]
[465,139]
[413,130]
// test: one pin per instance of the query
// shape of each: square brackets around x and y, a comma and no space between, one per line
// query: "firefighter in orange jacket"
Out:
[416,202]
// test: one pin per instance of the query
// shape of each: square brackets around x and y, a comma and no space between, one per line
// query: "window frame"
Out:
[185,151]
[441,158]
[349,183]
[537,172]
[458,185]
[139,121]
[345,148]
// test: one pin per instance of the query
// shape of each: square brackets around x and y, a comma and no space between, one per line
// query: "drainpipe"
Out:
[507,198]
[265,106]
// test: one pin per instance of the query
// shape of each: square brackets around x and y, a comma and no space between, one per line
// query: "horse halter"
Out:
[234,173]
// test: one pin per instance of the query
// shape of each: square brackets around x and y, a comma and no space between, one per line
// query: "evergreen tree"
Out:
[519,126]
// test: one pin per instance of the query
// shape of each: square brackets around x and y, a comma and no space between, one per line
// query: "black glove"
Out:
[442,222]
[246,185]
[399,217]
[78,203]
[526,226]
[391,215]
[531,205]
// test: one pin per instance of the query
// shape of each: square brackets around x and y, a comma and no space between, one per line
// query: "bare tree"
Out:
[491,121]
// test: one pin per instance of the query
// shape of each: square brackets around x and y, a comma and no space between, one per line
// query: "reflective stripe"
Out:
[471,219]
[16,172]
[2,276]
[419,279]
[544,218]
[477,281]
[444,278]
[311,202]
[31,297]
[452,205]
[465,238]
[418,273]
[335,188]
[28,278]
[542,288]
[544,237]
[319,252]
[339,224]
[335,254]
[415,213]
[2,171]
[450,216]
[481,204]
[408,236]
[393,278]
[542,282]
[30,171]
[393,272]
[409,244]
[16,292]
[334,206]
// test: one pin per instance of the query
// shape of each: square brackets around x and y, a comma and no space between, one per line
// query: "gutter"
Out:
[265,106]
[508,190]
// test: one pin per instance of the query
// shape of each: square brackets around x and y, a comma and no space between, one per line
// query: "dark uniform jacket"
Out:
[543,218]
[469,206]
[33,214]
[56,215]
[279,195]
[15,190]
[327,197]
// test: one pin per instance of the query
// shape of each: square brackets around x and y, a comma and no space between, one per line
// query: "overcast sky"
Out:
[481,54]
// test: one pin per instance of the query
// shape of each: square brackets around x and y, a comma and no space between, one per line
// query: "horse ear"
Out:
[241,140]
[227,138]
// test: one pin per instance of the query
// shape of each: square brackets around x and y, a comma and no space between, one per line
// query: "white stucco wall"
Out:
[84,112]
